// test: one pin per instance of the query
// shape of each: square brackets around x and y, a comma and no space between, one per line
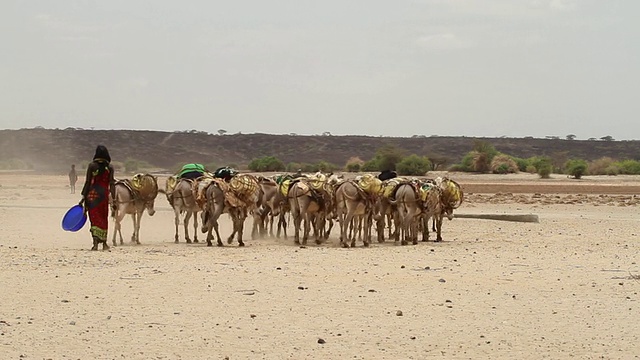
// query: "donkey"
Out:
[213,208]
[128,200]
[267,206]
[451,197]
[182,200]
[309,205]
[353,208]
[272,205]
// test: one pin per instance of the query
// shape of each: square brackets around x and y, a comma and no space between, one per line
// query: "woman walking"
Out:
[98,185]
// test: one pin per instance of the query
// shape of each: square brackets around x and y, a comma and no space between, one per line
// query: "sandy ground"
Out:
[566,287]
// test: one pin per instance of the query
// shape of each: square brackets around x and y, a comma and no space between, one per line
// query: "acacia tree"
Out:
[386,158]
[414,165]
[576,168]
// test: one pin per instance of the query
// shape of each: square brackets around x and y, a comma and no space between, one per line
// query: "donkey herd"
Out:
[313,202]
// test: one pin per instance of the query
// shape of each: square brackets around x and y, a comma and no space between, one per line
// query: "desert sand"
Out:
[566,287]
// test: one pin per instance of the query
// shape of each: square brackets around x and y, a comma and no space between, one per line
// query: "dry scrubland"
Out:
[566,287]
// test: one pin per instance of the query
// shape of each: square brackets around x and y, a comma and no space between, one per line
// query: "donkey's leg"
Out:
[349,224]
[366,228]
[116,227]
[307,228]
[233,212]
[320,227]
[187,217]
[177,223]
[297,224]
[438,219]
[139,218]
[241,221]
[195,226]
[215,227]
[256,227]
[134,217]
[270,220]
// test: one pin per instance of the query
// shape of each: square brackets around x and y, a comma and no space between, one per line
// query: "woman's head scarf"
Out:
[102,154]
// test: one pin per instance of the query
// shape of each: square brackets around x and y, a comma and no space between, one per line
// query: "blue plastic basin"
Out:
[74,219]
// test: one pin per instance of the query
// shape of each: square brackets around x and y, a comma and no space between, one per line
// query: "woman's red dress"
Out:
[98,204]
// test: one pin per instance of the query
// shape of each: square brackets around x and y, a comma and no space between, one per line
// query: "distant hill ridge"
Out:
[49,149]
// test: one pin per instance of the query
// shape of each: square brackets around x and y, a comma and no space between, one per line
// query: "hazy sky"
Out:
[393,68]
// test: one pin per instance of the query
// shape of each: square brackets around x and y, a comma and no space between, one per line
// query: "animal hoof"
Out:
[366,244]
[209,243]
[318,242]
[196,241]
[188,241]
[241,244]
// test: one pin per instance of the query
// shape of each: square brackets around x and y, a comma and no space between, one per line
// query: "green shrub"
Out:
[467,162]
[522,163]
[413,165]
[531,169]
[629,167]
[354,164]
[540,161]
[371,165]
[354,167]
[266,163]
[545,171]
[325,166]
[576,168]
[388,157]
[503,164]
[293,166]
[612,169]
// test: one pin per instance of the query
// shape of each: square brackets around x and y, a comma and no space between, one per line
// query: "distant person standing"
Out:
[99,184]
[73,178]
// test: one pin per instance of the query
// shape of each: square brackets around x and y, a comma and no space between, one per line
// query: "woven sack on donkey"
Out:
[369,184]
[145,185]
